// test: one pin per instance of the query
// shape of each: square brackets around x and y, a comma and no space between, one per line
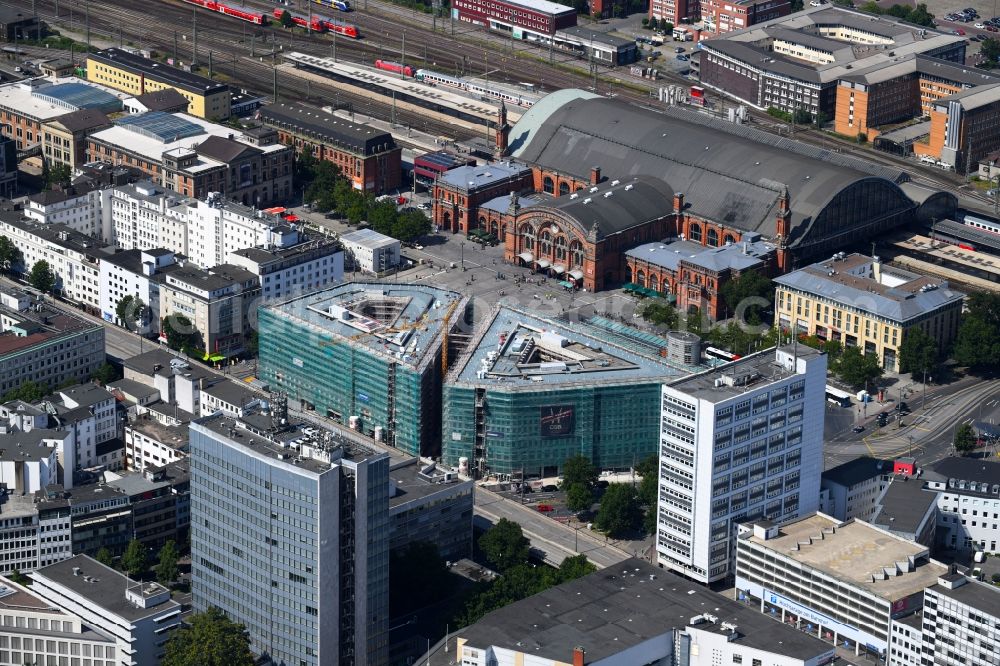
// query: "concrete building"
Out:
[638,615]
[530,392]
[34,631]
[368,355]
[8,168]
[311,265]
[311,586]
[15,23]
[149,443]
[177,382]
[368,158]
[370,252]
[77,207]
[861,302]
[905,509]
[796,62]
[964,128]
[737,443]
[194,157]
[232,398]
[73,257]
[852,489]
[961,623]
[139,617]
[91,516]
[429,504]
[968,504]
[847,582]
[721,17]
[138,274]
[136,75]
[32,333]
[692,275]
[524,19]
[599,47]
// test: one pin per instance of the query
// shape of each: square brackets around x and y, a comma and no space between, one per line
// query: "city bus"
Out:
[837,397]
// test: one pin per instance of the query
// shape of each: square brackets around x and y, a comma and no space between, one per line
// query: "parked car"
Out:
[678,49]
[858,428]
[683,58]
[958,31]
[981,26]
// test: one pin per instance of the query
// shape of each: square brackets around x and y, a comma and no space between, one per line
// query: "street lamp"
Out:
[463,254]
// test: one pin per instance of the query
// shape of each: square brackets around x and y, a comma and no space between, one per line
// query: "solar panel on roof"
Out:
[75,96]
[159,125]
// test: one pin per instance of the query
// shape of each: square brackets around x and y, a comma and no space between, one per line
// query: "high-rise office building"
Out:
[290,536]
[740,442]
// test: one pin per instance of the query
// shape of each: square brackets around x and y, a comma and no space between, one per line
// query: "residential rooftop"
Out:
[856,553]
[106,588]
[904,506]
[158,71]
[397,321]
[41,323]
[327,128]
[231,392]
[969,476]
[159,361]
[621,607]
[175,437]
[520,351]
[865,284]
[979,596]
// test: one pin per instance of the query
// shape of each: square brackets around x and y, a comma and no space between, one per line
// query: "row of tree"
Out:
[624,509]
[328,190]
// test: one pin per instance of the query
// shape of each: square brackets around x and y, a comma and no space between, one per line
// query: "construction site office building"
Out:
[365,354]
[530,392]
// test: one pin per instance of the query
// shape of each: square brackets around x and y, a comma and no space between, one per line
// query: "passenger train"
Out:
[436,78]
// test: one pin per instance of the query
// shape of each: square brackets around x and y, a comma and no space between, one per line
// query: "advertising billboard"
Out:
[556,421]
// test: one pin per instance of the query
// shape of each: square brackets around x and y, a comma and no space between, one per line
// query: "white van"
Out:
[927,159]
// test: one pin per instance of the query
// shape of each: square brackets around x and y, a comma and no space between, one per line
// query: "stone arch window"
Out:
[575,254]
[713,237]
[482,221]
[548,185]
[654,283]
[640,278]
[563,188]
[545,243]
[696,232]
[560,244]
[728,239]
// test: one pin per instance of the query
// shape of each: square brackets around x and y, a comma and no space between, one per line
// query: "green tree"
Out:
[106,374]
[166,568]
[104,557]
[579,497]
[382,217]
[29,391]
[10,255]
[989,48]
[802,117]
[653,23]
[286,19]
[180,331]
[871,7]
[965,439]
[134,561]
[666,27]
[921,16]
[41,277]
[419,577]
[574,567]
[918,353]
[858,369]
[209,639]
[649,469]
[504,545]
[410,225]
[978,342]
[59,174]
[620,512]
[748,295]
[19,578]
[899,11]
[131,312]
[797,6]
[579,470]
[659,312]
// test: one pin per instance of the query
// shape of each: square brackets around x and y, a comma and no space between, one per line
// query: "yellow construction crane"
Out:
[444,337]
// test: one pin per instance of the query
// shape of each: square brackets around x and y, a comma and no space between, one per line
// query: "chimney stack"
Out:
[678,202]
[595,175]
[578,656]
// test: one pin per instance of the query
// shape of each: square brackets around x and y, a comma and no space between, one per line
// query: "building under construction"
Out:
[529,392]
[369,355]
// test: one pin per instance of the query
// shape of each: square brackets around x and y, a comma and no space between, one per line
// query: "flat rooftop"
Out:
[368,238]
[417,480]
[853,553]
[542,6]
[754,371]
[904,505]
[155,70]
[175,437]
[517,350]
[45,98]
[981,596]
[400,321]
[620,607]
[471,177]
[105,588]
[738,256]
[294,445]
[159,361]
[31,328]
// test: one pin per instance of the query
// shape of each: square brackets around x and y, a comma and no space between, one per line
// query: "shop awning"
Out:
[568,285]
[543,263]
[526,256]
[558,268]
[576,275]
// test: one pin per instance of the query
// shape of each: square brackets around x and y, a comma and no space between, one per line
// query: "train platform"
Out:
[961,267]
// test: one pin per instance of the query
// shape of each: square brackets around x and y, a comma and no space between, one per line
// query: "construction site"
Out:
[369,355]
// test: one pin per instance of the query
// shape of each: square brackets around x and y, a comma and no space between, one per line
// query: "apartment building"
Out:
[861,302]
[964,128]
[311,586]
[738,443]
[961,623]
[76,206]
[851,489]
[42,344]
[137,75]
[138,617]
[138,274]
[142,216]
[149,443]
[846,582]
[64,139]
[968,504]
[311,265]
[367,157]
[721,17]
[73,257]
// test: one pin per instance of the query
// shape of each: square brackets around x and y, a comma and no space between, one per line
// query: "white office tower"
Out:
[740,442]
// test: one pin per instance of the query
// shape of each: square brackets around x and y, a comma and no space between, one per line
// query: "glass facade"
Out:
[341,380]
[615,425]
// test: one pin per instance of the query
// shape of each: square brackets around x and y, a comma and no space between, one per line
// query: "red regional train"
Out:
[390,66]
[321,24]
[212,6]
